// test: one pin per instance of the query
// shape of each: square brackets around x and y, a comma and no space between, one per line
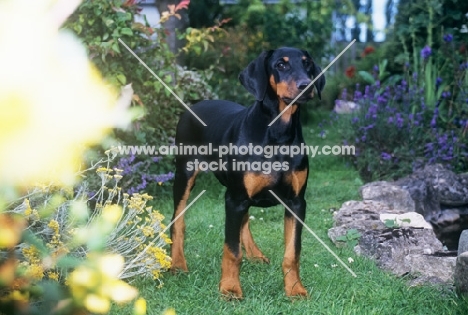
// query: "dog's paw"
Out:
[179,266]
[230,291]
[295,290]
[259,259]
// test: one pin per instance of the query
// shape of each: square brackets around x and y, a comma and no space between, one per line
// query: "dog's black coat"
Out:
[275,78]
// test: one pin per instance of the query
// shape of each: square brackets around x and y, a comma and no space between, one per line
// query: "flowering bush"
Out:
[395,129]
[54,105]
[100,24]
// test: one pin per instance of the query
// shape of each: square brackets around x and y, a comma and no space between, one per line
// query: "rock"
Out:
[425,198]
[405,251]
[345,107]
[392,195]
[409,219]
[461,274]
[463,243]
[452,189]
[359,215]
[449,223]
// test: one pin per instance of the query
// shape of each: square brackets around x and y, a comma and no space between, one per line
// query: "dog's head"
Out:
[287,72]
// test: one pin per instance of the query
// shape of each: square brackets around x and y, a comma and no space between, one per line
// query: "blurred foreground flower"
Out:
[97,286]
[53,101]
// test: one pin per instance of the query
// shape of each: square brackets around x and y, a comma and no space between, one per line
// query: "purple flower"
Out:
[446,94]
[433,122]
[448,38]
[438,82]
[385,156]
[399,120]
[426,52]
[376,68]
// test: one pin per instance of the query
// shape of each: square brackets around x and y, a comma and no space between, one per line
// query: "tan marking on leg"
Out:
[178,231]
[230,266]
[297,180]
[292,282]
[254,183]
[251,249]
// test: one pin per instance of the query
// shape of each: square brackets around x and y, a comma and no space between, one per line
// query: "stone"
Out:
[407,251]
[387,193]
[463,243]
[345,107]
[359,215]
[409,219]
[425,198]
[461,274]
[452,189]
[449,223]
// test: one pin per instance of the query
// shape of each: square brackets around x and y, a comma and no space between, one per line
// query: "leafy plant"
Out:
[394,223]
[351,238]
[100,24]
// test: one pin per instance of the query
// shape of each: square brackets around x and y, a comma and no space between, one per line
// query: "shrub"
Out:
[395,131]
[100,24]
[61,234]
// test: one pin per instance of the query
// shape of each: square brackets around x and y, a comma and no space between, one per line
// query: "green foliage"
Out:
[394,224]
[100,24]
[351,238]
[251,28]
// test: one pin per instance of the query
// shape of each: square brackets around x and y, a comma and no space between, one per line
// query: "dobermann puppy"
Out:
[275,78]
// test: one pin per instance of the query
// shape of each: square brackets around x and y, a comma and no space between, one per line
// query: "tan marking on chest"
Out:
[297,180]
[254,183]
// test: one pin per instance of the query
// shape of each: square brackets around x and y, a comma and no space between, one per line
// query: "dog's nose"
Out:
[301,85]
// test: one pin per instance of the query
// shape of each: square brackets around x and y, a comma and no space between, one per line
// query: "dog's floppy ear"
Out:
[320,83]
[255,78]
[314,72]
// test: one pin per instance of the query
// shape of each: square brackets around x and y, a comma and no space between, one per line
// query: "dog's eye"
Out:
[307,63]
[282,65]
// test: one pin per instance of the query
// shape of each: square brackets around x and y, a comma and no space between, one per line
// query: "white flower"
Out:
[350,260]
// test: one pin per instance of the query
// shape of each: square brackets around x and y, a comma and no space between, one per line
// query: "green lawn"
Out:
[332,289]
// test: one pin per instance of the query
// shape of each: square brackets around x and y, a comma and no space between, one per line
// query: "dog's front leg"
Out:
[232,252]
[292,242]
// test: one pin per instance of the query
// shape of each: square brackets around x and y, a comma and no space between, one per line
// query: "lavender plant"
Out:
[395,131]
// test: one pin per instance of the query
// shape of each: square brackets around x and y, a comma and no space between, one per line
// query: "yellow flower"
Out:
[35,272]
[11,228]
[112,213]
[169,311]
[54,225]
[53,275]
[53,104]
[139,307]
[28,210]
[111,265]
[97,304]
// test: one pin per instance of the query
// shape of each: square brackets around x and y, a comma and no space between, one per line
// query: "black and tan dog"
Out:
[275,78]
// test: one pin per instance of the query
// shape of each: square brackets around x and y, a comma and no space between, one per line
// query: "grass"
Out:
[332,289]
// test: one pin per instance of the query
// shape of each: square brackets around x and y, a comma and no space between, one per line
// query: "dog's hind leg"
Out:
[251,249]
[183,184]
